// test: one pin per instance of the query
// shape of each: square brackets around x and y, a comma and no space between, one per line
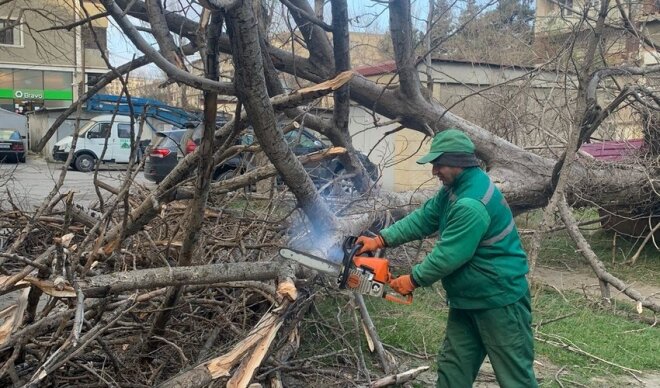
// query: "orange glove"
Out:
[404,285]
[370,244]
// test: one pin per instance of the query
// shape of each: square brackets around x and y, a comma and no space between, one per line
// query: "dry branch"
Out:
[399,378]
[256,343]
[596,264]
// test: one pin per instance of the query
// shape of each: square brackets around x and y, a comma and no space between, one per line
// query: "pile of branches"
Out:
[77,312]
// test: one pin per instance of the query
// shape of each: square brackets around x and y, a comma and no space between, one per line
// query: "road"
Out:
[29,183]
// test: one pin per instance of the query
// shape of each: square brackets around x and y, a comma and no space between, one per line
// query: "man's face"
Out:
[446,174]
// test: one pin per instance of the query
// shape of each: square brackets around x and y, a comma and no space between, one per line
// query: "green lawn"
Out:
[614,336]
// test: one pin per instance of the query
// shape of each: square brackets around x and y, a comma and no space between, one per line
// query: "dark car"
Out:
[327,174]
[162,155]
[12,147]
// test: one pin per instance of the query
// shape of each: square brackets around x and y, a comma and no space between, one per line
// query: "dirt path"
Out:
[580,280]
[583,279]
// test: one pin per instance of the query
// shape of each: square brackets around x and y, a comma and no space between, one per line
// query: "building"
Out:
[40,64]
[561,22]
[503,99]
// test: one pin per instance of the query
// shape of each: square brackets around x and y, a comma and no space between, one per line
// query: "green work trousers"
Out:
[503,333]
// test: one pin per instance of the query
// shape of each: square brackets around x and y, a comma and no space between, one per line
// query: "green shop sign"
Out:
[36,94]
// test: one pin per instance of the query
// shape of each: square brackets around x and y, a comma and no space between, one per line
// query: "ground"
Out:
[29,183]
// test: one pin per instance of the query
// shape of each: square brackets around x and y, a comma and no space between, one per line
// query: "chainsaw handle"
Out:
[398,299]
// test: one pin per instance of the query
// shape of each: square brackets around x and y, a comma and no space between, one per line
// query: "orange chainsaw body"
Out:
[379,266]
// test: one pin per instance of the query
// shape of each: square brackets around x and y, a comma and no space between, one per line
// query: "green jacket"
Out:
[479,256]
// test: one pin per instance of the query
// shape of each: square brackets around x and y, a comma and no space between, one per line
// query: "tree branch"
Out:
[170,69]
[252,91]
[595,263]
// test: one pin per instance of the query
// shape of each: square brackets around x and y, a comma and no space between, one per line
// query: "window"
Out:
[6,79]
[28,80]
[298,139]
[89,39]
[124,131]
[57,104]
[6,134]
[100,131]
[566,7]
[10,32]
[58,80]
[92,79]
[7,104]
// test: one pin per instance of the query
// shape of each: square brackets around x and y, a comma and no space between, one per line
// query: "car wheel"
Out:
[84,163]
[340,185]
[224,175]
[22,159]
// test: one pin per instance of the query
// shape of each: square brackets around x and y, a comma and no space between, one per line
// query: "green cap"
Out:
[450,140]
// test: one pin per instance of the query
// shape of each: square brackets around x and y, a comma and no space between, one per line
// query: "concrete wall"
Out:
[40,122]
[11,120]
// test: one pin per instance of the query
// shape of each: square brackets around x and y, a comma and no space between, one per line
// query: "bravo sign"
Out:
[29,94]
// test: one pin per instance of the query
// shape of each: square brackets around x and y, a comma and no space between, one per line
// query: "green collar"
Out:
[463,177]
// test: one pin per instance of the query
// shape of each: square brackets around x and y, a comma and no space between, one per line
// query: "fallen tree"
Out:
[234,314]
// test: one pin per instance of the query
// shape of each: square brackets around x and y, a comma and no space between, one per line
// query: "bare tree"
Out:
[191,268]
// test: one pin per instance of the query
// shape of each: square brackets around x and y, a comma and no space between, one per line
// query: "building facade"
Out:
[509,101]
[41,60]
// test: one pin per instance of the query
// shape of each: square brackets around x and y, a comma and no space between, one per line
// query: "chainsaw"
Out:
[362,274]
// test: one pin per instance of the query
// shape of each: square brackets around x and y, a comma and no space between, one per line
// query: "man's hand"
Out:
[370,244]
[404,285]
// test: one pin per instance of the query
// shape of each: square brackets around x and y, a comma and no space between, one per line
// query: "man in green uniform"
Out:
[482,265]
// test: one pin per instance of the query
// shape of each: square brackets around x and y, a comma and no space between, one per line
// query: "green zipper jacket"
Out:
[479,256]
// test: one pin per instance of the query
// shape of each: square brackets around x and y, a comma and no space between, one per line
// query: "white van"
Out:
[92,140]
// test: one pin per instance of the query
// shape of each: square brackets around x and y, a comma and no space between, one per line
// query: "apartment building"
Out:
[41,60]
[558,20]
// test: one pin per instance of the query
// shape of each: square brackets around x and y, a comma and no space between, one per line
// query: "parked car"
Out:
[12,146]
[326,174]
[101,132]
[162,155]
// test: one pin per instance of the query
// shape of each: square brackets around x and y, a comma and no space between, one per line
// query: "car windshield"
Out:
[9,135]
[86,127]
[301,139]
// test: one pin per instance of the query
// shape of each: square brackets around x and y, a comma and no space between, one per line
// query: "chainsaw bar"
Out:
[310,261]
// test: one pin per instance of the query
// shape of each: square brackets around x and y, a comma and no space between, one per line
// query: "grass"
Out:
[558,250]
[594,330]
[609,335]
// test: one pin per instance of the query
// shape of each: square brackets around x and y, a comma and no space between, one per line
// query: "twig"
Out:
[411,354]
[385,358]
[542,322]
[557,376]
[184,359]
[79,316]
[399,378]
[646,240]
[25,260]
[572,348]
[596,264]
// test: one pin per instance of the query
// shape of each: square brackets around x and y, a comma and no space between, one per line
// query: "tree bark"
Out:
[102,285]
[251,88]
[161,32]
[205,167]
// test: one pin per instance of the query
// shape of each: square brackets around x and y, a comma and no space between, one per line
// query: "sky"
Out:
[366,16]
